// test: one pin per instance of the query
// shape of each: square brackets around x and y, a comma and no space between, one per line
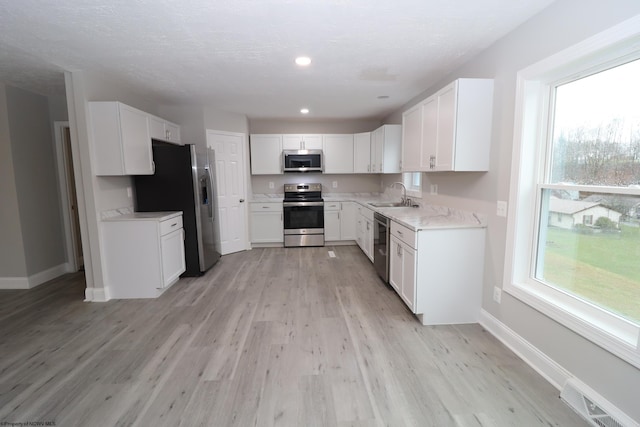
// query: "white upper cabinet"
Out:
[362,152]
[266,154]
[301,142]
[386,146]
[163,130]
[412,139]
[121,139]
[454,131]
[338,153]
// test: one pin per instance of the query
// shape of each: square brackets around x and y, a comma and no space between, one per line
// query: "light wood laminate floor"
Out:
[268,337]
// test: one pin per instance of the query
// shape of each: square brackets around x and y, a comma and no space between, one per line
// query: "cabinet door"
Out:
[377,141]
[338,153]
[266,227]
[391,149]
[312,142]
[402,271]
[395,264]
[445,146]
[408,290]
[360,231]
[172,132]
[368,239]
[156,128]
[429,133]
[331,225]
[173,262]
[362,152]
[348,221]
[136,142]
[266,154]
[412,139]
[301,142]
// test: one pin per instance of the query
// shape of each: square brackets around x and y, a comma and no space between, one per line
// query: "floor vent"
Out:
[595,409]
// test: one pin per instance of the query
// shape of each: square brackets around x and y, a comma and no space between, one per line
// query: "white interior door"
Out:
[230,174]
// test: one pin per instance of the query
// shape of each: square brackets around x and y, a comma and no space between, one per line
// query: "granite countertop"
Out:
[422,218]
[144,216]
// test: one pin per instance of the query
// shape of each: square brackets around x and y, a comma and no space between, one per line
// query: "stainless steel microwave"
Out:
[302,161]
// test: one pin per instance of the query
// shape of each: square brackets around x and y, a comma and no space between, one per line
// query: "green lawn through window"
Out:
[602,268]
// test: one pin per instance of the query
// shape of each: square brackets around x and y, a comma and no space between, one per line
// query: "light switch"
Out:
[335,184]
[271,186]
[434,189]
[129,193]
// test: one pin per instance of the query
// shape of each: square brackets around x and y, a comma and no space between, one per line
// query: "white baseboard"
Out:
[540,362]
[35,279]
[96,295]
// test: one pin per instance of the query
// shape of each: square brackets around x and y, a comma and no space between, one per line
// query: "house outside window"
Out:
[413,182]
[577,162]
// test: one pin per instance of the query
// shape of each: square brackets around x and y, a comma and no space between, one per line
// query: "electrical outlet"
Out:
[271,185]
[334,184]
[501,209]
[497,294]
[129,193]
[434,189]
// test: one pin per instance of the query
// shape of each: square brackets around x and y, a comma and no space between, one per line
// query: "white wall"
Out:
[33,163]
[12,259]
[563,24]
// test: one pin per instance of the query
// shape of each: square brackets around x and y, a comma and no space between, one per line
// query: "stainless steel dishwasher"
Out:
[381,242]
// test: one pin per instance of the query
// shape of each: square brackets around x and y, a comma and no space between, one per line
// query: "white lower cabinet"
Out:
[266,222]
[438,272]
[402,271]
[331,221]
[144,253]
[364,231]
[348,221]
[339,221]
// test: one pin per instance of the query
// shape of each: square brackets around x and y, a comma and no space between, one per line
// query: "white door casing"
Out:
[230,154]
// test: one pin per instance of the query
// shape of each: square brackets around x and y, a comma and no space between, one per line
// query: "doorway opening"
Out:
[69,200]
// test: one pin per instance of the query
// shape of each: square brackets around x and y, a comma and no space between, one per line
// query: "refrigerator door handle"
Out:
[209,183]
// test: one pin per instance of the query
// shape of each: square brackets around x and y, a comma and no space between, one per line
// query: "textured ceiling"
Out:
[237,55]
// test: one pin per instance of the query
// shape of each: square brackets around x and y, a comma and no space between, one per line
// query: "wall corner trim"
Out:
[540,362]
[96,295]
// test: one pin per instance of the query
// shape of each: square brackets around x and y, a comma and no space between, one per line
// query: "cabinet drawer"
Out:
[365,212]
[331,206]
[170,225]
[404,234]
[266,207]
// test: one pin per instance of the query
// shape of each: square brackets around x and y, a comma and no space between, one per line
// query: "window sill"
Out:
[616,335]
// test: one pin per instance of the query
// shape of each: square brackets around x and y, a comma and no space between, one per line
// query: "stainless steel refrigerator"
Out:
[184,180]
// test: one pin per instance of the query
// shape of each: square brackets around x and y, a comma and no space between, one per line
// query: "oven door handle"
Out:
[301,204]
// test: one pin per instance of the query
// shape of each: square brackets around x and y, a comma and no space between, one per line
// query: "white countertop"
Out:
[145,216]
[423,218]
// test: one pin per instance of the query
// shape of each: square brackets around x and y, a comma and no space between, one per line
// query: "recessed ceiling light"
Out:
[304,111]
[303,61]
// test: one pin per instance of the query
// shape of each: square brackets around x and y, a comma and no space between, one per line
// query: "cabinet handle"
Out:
[368,168]
[338,215]
[432,162]
[265,207]
[367,225]
[399,251]
[174,224]
[399,232]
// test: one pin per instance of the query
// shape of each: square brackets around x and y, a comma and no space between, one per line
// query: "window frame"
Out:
[413,191]
[535,90]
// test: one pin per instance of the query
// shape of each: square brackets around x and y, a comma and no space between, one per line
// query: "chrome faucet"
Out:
[404,199]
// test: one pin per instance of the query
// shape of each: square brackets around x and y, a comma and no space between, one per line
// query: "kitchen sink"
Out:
[387,204]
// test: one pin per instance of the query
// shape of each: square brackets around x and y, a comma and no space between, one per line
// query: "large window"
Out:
[576,228]
[413,183]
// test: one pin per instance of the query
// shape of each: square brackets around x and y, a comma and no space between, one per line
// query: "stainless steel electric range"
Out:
[303,215]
